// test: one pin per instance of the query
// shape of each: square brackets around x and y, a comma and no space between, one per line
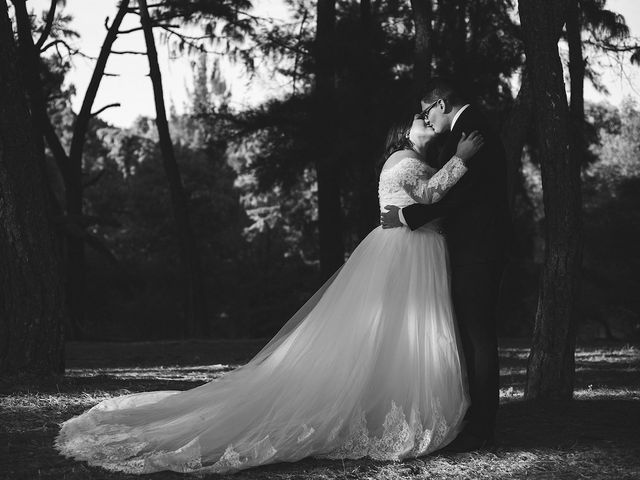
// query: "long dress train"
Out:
[368,367]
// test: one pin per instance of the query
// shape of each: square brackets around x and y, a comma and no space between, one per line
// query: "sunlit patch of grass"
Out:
[29,411]
[593,437]
[624,353]
[511,394]
[203,373]
[601,393]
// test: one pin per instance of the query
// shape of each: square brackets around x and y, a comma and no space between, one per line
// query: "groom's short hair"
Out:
[444,88]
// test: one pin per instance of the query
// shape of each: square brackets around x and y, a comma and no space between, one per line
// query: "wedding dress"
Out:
[369,366]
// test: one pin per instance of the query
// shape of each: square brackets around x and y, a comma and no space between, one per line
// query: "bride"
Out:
[369,366]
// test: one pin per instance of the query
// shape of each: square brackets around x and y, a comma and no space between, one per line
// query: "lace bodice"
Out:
[412,181]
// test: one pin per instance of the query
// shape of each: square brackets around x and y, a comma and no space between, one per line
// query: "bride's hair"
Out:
[398,137]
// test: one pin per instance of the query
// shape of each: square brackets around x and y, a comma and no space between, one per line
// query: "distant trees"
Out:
[32,309]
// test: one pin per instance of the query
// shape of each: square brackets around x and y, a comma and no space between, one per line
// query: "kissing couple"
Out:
[394,357]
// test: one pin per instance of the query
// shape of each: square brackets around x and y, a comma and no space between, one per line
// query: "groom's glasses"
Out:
[424,114]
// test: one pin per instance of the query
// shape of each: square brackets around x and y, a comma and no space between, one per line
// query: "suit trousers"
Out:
[475,288]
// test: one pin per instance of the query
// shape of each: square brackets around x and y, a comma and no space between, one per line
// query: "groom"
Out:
[477,226]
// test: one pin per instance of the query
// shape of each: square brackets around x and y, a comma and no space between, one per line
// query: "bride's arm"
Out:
[445,178]
[431,190]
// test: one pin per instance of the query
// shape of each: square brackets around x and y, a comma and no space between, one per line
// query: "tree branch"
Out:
[48,25]
[81,126]
[93,114]
[187,41]
[127,52]
[611,47]
[71,51]
[137,29]
[56,42]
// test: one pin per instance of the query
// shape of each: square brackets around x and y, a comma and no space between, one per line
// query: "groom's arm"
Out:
[486,169]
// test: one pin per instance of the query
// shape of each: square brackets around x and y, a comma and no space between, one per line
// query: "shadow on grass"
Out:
[524,425]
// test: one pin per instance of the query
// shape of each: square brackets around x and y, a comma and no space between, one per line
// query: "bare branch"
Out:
[127,52]
[70,50]
[93,114]
[57,42]
[155,5]
[137,29]
[610,47]
[188,41]
[105,74]
[48,25]
[82,120]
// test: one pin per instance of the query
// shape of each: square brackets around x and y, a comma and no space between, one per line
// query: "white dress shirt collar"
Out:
[455,118]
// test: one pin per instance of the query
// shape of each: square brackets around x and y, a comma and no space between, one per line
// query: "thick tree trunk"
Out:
[196,324]
[32,308]
[423,53]
[329,205]
[550,373]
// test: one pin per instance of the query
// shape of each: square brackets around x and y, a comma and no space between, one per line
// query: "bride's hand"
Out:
[469,145]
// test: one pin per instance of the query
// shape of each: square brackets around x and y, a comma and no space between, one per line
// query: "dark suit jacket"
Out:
[475,211]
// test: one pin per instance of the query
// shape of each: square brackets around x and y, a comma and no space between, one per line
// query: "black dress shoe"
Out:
[468,442]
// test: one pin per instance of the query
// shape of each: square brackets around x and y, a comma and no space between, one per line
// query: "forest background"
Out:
[250,177]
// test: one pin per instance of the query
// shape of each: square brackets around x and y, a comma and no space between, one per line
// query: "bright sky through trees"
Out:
[132,89]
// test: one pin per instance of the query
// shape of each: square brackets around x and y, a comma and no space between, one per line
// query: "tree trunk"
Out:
[550,372]
[329,205]
[576,73]
[459,44]
[32,309]
[514,136]
[76,270]
[196,324]
[423,53]
[367,77]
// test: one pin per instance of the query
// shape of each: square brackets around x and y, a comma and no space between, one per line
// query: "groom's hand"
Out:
[390,218]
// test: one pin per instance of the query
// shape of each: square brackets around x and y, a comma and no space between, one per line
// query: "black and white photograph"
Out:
[320,239]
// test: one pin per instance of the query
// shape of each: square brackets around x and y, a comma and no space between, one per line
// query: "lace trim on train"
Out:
[108,447]
[400,438]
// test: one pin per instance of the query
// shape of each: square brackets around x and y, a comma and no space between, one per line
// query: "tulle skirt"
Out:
[369,367]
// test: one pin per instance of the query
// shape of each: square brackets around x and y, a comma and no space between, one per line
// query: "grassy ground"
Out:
[595,436]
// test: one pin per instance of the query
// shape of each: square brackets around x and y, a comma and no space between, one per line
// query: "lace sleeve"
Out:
[426,188]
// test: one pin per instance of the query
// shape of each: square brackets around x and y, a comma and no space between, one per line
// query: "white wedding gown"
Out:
[368,367]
